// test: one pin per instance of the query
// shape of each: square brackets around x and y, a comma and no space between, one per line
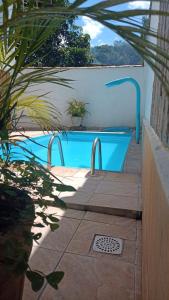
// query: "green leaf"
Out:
[59,203]
[36,279]
[28,237]
[36,236]
[65,188]
[21,266]
[38,225]
[52,218]
[53,226]
[11,193]
[54,278]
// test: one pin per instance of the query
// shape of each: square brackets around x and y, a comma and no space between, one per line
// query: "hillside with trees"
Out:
[120,53]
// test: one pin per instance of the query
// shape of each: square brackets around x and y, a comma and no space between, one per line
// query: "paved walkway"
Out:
[89,275]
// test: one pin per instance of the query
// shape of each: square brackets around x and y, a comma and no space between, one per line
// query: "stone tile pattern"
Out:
[88,274]
[114,193]
[133,159]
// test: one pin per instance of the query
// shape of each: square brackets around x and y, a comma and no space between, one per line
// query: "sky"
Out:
[101,35]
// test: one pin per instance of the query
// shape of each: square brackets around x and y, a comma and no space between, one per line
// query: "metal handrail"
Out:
[96,141]
[50,150]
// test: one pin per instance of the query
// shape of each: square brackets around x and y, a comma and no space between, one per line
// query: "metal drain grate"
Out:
[107,244]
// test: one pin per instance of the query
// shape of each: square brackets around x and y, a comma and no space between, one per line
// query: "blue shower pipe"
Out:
[138,97]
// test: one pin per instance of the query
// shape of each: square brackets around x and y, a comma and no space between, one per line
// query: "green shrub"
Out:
[77,108]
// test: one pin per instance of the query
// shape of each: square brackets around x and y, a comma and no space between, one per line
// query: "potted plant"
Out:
[77,110]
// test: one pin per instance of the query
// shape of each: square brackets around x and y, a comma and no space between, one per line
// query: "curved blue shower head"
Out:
[138,95]
[118,82]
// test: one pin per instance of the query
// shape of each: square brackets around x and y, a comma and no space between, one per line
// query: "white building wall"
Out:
[107,106]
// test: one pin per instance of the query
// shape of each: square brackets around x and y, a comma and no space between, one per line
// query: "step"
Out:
[106,192]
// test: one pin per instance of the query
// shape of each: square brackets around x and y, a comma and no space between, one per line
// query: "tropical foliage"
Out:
[17,45]
[66,47]
[19,182]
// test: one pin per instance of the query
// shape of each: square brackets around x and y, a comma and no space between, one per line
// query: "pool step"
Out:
[106,192]
[121,212]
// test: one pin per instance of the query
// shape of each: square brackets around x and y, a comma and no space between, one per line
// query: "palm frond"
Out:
[37,109]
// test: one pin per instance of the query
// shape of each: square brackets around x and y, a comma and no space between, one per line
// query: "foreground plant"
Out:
[24,185]
[26,191]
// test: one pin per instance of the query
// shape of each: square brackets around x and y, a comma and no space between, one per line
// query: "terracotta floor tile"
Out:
[126,232]
[85,173]
[140,202]
[82,173]
[82,240]
[115,201]
[82,184]
[139,231]
[68,213]
[128,253]
[122,177]
[43,260]
[138,286]
[109,219]
[88,278]
[108,187]
[138,260]
[133,166]
[28,293]
[76,197]
[60,238]
[62,171]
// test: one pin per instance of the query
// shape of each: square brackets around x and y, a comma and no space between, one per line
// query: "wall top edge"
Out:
[90,68]
[160,155]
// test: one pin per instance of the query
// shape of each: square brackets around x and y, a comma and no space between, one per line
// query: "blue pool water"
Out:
[118,129]
[77,147]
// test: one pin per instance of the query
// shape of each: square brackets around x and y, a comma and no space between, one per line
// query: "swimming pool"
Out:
[77,148]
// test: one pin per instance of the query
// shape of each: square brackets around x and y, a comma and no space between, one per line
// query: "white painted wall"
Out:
[106,106]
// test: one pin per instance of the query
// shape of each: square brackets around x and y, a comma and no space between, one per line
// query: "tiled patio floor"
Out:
[88,274]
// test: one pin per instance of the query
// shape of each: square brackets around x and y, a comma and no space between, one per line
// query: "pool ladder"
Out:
[50,150]
[95,142]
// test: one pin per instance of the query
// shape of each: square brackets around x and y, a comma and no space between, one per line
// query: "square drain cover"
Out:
[107,244]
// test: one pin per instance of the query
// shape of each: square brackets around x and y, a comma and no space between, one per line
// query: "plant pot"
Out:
[76,121]
[13,202]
